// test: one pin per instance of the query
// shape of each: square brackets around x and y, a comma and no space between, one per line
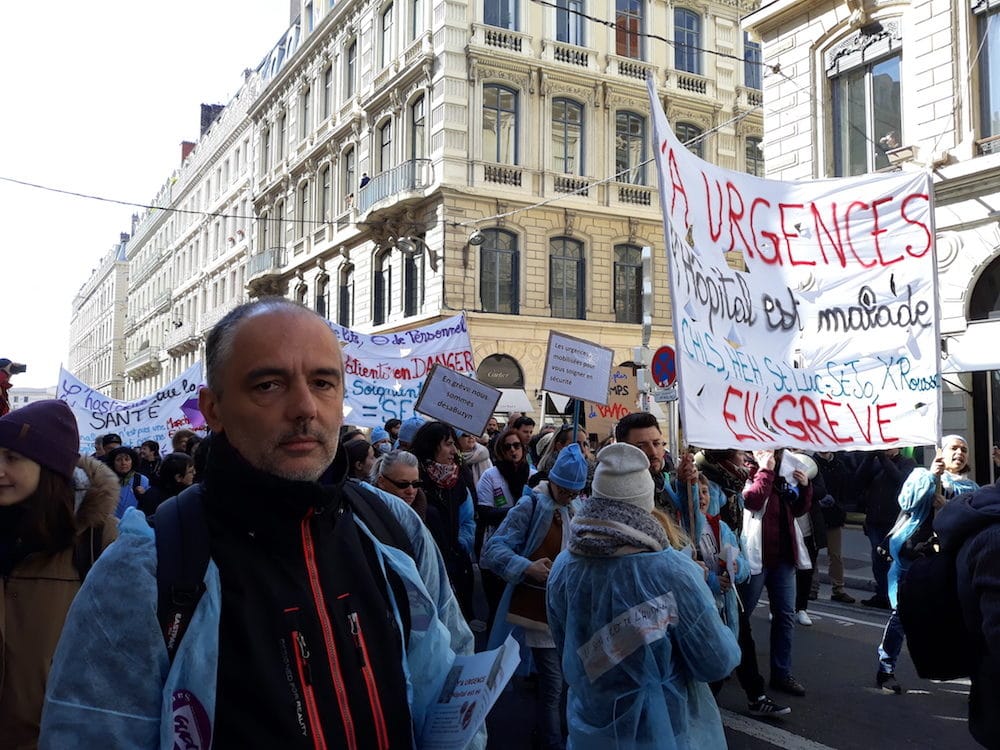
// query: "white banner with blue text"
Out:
[385,372]
[156,417]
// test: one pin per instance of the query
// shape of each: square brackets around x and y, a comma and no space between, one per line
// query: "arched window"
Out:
[418,130]
[691,136]
[345,314]
[382,293]
[630,148]
[984,303]
[386,49]
[499,124]
[755,157]
[687,41]
[301,292]
[499,263]
[567,136]
[413,278]
[304,218]
[348,177]
[567,278]
[384,147]
[323,295]
[628,284]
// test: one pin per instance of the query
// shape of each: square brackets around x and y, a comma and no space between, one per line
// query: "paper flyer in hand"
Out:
[473,685]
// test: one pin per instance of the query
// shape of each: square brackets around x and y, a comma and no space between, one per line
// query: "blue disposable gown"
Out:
[639,637]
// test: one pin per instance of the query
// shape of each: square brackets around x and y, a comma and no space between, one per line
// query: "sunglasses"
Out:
[403,485]
[513,446]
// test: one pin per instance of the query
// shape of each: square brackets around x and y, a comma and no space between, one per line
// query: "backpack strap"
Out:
[87,549]
[373,511]
[182,554]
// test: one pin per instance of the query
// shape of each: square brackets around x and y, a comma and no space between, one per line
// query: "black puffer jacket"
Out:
[307,643]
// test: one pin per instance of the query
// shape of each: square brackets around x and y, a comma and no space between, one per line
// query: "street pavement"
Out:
[835,659]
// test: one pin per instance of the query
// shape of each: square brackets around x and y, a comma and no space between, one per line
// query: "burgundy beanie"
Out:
[45,432]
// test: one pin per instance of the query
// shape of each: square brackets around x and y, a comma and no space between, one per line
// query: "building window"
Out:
[418,134]
[867,120]
[323,295]
[501,13]
[386,49]
[327,92]
[687,41]
[265,150]
[282,134]
[569,22]
[567,136]
[310,21]
[325,193]
[413,279]
[301,292]
[304,113]
[691,136]
[499,124]
[499,261]
[348,177]
[630,148]
[417,24]
[350,69]
[753,63]
[302,225]
[628,284]
[383,288]
[755,157]
[279,224]
[988,22]
[345,316]
[567,278]
[385,147]
[629,28]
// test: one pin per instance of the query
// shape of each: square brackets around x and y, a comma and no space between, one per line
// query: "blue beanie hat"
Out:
[379,434]
[570,470]
[408,430]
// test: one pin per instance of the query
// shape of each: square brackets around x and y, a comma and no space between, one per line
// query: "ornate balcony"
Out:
[182,339]
[143,363]
[409,177]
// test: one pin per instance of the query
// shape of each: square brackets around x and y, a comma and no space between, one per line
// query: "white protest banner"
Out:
[156,417]
[577,368]
[829,340]
[384,373]
[457,400]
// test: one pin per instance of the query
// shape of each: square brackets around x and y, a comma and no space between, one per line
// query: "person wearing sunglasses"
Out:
[498,491]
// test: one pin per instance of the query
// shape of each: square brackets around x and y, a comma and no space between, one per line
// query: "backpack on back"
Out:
[183,551]
[930,612]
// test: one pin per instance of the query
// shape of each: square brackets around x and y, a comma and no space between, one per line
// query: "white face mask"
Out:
[382,448]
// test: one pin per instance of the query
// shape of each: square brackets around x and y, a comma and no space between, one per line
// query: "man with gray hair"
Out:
[312,629]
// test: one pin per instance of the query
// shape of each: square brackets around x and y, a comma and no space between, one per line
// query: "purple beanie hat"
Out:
[44,432]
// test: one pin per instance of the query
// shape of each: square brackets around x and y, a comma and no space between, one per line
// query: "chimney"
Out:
[123,237]
[135,222]
[186,148]
[209,113]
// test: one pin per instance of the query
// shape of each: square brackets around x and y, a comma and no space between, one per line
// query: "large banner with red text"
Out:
[805,313]
[385,372]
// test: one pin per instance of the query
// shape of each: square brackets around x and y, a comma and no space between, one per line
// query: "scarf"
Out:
[444,476]
[731,479]
[515,475]
[609,528]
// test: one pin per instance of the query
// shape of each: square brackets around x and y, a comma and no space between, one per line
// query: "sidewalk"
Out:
[857,560]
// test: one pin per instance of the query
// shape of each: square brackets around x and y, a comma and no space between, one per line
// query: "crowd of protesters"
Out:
[628,576]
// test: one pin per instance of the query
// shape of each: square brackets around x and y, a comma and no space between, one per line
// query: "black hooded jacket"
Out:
[971,524]
[308,645]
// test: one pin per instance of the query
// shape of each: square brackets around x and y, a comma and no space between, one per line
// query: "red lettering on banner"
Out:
[782,207]
[877,230]
[714,233]
[916,223]
[821,230]
[734,217]
[880,422]
[678,186]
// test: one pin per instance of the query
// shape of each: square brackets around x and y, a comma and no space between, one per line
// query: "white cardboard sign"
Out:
[577,368]
[457,400]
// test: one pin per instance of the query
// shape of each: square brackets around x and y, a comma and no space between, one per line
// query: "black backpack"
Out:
[183,552]
[940,644]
